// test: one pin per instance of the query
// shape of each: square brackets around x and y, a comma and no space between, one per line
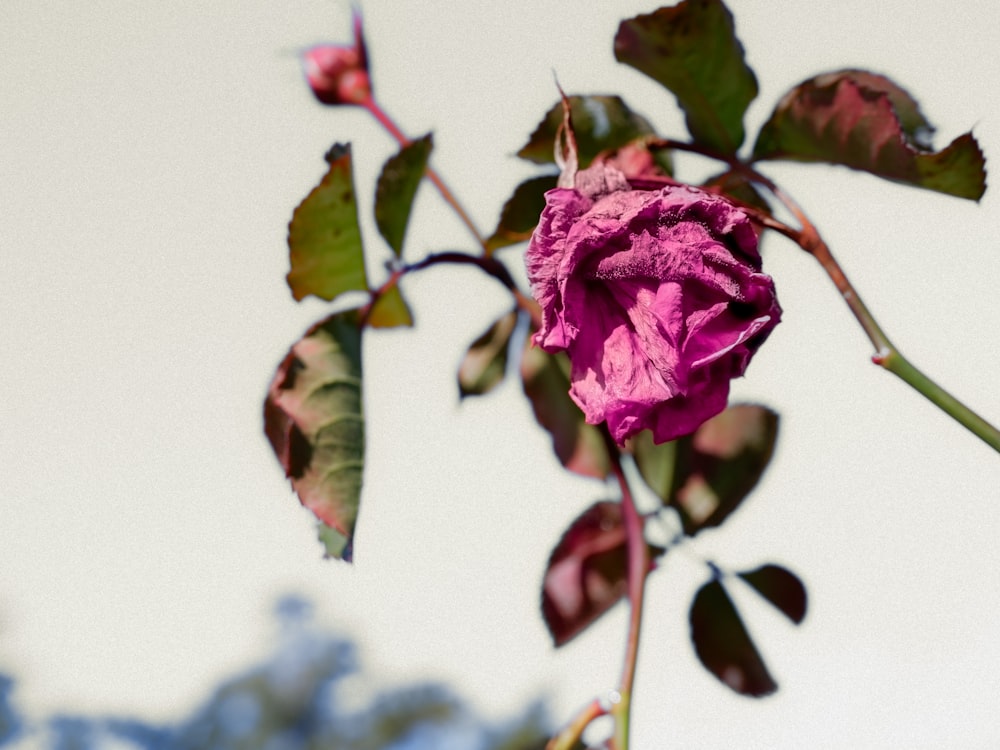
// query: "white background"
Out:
[151,158]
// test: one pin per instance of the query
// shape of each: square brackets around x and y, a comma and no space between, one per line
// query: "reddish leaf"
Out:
[587,572]
[781,587]
[578,445]
[706,475]
[640,163]
[520,213]
[865,121]
[915,126]
[736,186]
[599,123]
[692,50]
[324,238]
[485,363]
[313,418]
[723,644]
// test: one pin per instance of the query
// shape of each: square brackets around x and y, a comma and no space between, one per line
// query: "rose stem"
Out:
[638,569]
[886,354]
[385,121]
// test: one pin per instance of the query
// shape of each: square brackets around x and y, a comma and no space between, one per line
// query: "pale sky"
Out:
[151,157]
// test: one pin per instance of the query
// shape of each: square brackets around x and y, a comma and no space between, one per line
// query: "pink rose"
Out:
[338,74]
[656,296]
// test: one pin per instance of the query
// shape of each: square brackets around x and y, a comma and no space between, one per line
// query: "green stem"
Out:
[900,366]
[886,354]
[385,121]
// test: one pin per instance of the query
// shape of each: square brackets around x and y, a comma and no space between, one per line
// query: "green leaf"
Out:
[520,213]
[396,188]
[599,123]
[390,310]
[706,475]
[656,462]
[692,50]
[324,238]
[723,645]
[578,445]
[865,121]
[335,544]
[313,419]
[485,362]
[781,587]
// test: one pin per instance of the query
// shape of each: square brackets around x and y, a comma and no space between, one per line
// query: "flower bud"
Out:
[338,74]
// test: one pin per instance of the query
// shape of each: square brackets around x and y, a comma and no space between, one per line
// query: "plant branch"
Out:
[886,354]
[638,568]
[385,121]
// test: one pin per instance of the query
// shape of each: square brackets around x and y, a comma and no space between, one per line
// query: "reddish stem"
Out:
[386,122]
[637,571]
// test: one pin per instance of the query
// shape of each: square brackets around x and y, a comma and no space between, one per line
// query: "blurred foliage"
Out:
[10,722]
[296,699]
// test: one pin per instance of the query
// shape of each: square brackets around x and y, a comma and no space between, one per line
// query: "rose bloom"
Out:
[655,295]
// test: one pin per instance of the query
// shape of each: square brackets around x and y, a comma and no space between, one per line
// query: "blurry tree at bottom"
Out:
[294,700]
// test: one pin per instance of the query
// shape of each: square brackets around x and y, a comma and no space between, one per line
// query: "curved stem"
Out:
[886,354]
[490,265]
[486,263]
[385,121]
[569,736]
[889,357]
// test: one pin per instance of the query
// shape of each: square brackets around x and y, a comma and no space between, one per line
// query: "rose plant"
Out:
[647,297]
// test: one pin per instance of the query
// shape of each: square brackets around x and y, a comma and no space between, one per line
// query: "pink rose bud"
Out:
[338,74]
[655,295]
